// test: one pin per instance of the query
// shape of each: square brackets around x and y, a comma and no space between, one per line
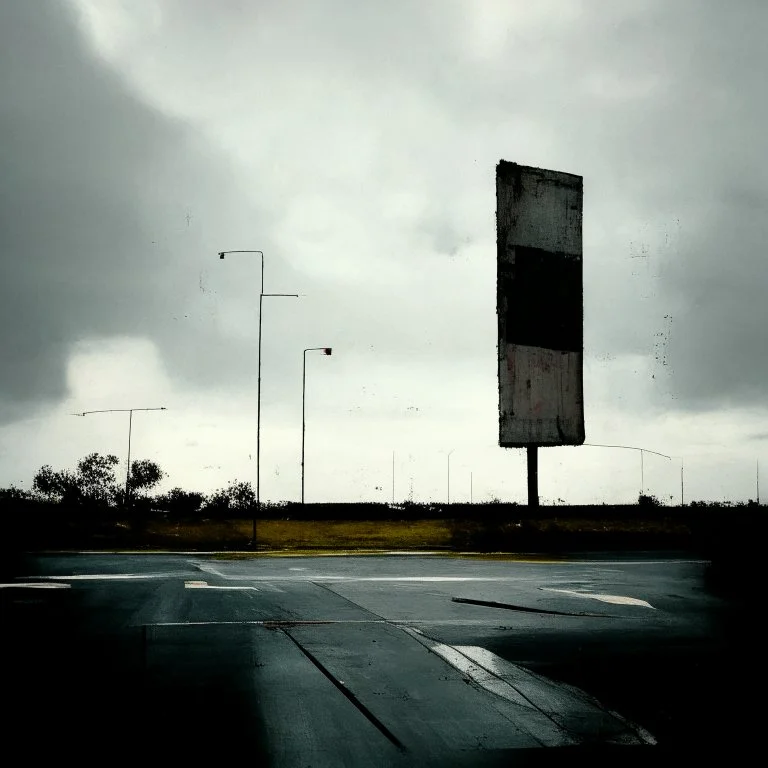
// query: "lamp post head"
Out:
[221,254]
[328,350]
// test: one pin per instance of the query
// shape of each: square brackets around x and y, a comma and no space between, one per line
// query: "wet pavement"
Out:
[374,660]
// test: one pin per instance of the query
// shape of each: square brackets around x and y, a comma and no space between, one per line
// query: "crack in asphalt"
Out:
[349,695]
[525,609]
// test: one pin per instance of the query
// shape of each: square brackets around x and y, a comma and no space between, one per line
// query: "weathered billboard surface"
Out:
[539,304]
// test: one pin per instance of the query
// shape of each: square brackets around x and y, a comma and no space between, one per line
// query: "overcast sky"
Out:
[355,143]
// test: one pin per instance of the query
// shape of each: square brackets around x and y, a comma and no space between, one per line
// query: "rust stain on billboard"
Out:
[539,306]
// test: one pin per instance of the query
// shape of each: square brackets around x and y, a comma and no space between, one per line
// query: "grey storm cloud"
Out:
[96,189]
[658,105]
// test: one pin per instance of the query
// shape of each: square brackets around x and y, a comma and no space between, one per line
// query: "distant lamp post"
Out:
[757,481]
[129,411]
[325,351]
[449,474]
[393,478]
[643,451]
[258,388]
[682,479]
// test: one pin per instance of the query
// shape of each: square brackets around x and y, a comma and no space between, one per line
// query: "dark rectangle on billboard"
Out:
[531,321]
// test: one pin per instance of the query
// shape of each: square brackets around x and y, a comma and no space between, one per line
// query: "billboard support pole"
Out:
[533,475]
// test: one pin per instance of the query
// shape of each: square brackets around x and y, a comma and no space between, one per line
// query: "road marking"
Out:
[25,585]
[615,599]
[206,585]
[531,692]
[104,576]
[322,577]
[206,568]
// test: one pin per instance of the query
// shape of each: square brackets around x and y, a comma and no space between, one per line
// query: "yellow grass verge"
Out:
[309,534]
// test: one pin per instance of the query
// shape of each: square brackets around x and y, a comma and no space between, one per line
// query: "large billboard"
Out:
[539,302]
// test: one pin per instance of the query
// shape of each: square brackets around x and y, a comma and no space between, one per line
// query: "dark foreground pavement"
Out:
[374,661]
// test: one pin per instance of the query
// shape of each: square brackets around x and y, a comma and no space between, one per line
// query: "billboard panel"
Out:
[539,302]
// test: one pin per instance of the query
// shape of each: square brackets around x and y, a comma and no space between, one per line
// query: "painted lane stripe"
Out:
[278,577]
[554,701]
[29,585]
[105,576]
[530,685]
[615,599]
[206,585]
[322,577]
[206,568]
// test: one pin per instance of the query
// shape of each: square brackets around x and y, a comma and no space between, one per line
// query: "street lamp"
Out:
[393,478]
[326,351]
[449,474]
[258,387]
[682,479]
[129,411]
[633,448]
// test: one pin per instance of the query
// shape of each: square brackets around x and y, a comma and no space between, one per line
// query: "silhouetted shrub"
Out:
[178,503]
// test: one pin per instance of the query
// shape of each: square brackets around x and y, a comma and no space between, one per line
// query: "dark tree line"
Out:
[95,487]
[94,482]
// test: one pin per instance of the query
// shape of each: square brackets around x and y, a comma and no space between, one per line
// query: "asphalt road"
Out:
[374,660]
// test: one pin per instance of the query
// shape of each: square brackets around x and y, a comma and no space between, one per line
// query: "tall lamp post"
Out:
[326,351]
[682,479]
[129,411]
[449,474]
[643,451]
[258,387]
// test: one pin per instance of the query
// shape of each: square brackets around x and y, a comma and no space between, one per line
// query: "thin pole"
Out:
[327,351]
[258,411]
[757,479]
[303,421]
[130,424]
[258,395]
[682,482]
[449,474]
[533,476]
[632,448]
[128,471]
[393,477]
[470,487]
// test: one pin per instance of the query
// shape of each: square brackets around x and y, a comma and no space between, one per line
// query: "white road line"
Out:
[615,599]
[104,576]
[531,692]
[206,585]
[632,562]
[207,568]
[25,585]
[322,577]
